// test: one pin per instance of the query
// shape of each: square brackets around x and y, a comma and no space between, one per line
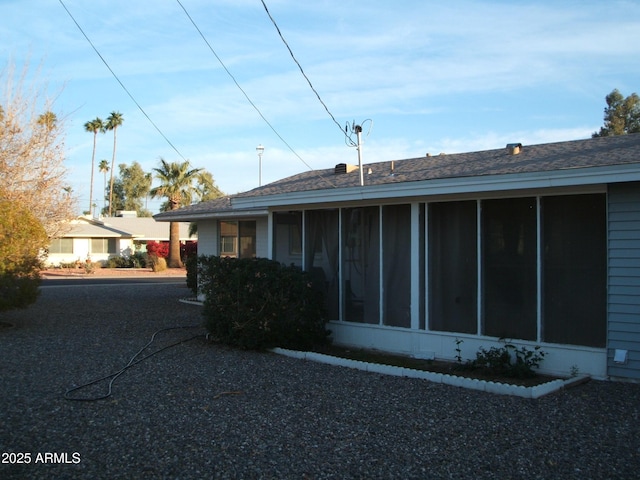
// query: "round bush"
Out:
[22,238]
[259,303]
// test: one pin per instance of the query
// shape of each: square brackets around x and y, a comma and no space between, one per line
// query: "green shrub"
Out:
[137,260]
[116,262]
[22,238]
[191,264]
[509,361]
[259,303]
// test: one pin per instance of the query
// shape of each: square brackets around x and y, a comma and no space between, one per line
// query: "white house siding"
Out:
[208,237]
[624,279]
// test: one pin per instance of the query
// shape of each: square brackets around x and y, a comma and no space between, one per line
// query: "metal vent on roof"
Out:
[343,168]
[514,148]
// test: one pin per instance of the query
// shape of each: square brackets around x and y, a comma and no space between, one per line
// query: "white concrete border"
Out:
[453,380]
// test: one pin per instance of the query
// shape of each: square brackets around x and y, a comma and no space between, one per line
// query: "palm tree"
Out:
[114,120]
[103,167]
[96,126]
[176,185]
[48,120]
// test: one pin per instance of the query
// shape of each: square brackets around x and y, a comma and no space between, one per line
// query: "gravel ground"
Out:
[199,410]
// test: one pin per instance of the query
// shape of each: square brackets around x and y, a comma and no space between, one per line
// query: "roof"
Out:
[85,229]
[219,207]
[140,228]
[577,162]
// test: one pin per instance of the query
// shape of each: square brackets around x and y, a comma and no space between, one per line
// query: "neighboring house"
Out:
[537,244]
[101,239]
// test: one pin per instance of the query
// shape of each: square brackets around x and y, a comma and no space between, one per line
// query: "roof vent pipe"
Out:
[514,148]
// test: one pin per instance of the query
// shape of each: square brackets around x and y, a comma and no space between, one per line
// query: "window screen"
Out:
[361,264]
[103,245]
[247,233]
[509,271]
[61,245]
[453,266]
[322,255]
[396,266]
[287,234]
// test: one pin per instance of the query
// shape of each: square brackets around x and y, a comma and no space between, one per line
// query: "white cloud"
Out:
[458,76]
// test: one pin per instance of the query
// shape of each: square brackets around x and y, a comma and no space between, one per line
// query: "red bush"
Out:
[159,249]
[188,249]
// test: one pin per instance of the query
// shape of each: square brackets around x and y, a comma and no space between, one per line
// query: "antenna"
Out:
[357,129]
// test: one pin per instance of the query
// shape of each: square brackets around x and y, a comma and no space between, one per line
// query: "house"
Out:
[103,238]
[537,244]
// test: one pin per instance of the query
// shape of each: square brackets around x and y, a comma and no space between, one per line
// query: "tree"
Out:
[95,126]
[176,185]
[132,186]
[621,116]
[206,187]
[22,239]
[103,167]
[114,120]
[32,171]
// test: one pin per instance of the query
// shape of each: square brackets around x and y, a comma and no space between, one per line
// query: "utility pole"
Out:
[260,150]
[358,130]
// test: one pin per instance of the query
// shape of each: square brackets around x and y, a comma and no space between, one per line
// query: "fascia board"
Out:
[448,186]
[186,217]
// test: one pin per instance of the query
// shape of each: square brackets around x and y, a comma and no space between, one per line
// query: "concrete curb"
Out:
[453,380]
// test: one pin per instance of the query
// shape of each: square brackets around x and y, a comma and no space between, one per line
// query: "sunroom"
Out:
[417,277]
[537,245]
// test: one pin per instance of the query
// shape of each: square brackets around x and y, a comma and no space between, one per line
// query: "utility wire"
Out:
[121,84]
[247,96]
[302,71]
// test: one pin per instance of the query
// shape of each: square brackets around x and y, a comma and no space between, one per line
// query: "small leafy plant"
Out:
[89,266]
[459,350]
[508,360]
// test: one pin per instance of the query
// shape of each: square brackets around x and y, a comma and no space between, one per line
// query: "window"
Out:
[574,269]
[453,267]
[228,239]
[61,245]
[509,268]
[103,245]
[238,234]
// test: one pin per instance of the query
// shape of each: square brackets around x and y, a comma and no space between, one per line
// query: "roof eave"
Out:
[447,186]
[205,215]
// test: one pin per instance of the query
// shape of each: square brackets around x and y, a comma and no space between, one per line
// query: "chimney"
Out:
[514,148]
[343,168]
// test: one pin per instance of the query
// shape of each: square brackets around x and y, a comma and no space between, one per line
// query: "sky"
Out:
[419,76]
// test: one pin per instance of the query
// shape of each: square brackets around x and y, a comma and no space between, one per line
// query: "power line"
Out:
[121,84]
[245,93]
[302,71]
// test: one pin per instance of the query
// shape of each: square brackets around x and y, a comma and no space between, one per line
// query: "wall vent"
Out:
[343,168]
[514,148]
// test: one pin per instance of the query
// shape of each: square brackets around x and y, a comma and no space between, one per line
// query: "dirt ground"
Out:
[112,272]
